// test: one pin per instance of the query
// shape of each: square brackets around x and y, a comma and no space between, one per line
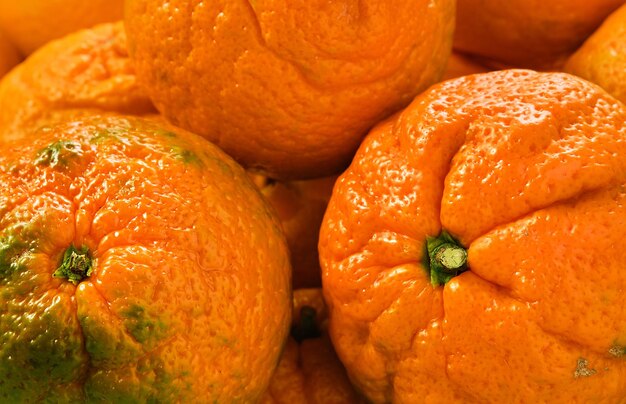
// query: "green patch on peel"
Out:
[17,244]
[143,326]
[12,248]
[109,134]
[58,153]
[166,133]
[618,351]
[184,155]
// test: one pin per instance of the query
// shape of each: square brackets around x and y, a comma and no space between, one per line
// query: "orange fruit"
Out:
[309,371]
[9,56]
[602,58]
[473,251]
[32,23]
[300,206]
[138,263]
[267,81]
[87,69]
[460,65]
[524,33]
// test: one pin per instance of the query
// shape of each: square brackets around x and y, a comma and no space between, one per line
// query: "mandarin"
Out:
[602,58]
[86,69]
[32,23]
[138,263]
[309,371]
[300,206]
[287,88]
[528,33]
[473,251]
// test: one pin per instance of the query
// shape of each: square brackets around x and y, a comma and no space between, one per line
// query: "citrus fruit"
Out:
[32,23]
[473,250]
[138,263]
[309,371]
[300,206]
[9,55]
[602,58]
[270,80]
[86,69]
[460,65]
[523,33]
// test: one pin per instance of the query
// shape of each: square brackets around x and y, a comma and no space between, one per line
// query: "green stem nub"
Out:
[75,265]
[446,258]
[307,327]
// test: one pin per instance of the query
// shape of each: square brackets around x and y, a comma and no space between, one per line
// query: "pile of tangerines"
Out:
[323,201]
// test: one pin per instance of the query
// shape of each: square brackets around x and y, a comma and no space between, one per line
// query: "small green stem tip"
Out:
[446,258]
[307,327]
[75,266]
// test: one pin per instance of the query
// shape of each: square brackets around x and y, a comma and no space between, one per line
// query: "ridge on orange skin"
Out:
[89,69]
[31,24]
[602,58]
[528,171]
[309,371]
[300,206]
[271,80]
[528,33]
[187,296]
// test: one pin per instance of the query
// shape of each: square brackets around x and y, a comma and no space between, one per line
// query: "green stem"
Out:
[76,265]
[446,258]
[306,327]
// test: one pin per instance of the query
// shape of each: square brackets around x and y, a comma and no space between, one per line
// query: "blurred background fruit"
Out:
[287,88]
[138,263]
[602,58]
[300,206]
[528,33]
[461,65]
[9,56]
[88,69]
[309,371]
[32,23]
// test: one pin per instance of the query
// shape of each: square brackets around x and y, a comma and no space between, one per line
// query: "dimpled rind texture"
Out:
[32,23]
[190,295]
[86,69]
[528,171]
[528,33]
[602,58]
[267,80]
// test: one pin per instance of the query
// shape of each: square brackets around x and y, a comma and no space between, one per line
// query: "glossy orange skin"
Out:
[269,80]
[87,69]
[190,298]
[32,23]
[461,65]
[300,206]
[602,58]
[528,171]
[309,372]
[528,33]
[9,56]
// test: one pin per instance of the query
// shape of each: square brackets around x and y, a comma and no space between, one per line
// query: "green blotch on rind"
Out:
[58,153]
[618,351]
[143,326]
[184,155]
